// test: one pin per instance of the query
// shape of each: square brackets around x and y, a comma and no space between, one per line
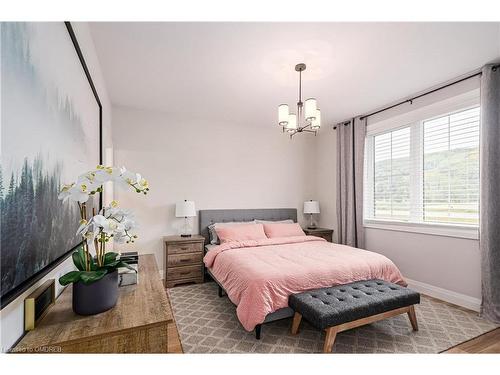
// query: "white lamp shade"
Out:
[311,207]
[292,122]
[185,209]
[310,109]
[283,114]
[316,123]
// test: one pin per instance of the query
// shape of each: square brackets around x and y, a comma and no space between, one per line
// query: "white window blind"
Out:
[392,175]
[425,172]
[451,168]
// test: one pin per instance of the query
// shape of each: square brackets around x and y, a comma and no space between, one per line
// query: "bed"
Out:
[259,275]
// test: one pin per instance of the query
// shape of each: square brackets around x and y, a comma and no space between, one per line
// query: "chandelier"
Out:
[308,116]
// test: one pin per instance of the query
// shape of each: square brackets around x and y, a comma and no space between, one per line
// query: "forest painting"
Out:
[49,135]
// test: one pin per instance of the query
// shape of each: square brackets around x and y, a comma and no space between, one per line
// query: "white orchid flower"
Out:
[143,183]
[117,213]
[107,225]
[90,236]
[88,182]
[105,174]
[83,188]
[129,177]
[120,238]
[80,190]
[83,228]
[129,224]
[64,194]
[120,177]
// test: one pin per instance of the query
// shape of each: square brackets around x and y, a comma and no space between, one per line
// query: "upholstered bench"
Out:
[339,308]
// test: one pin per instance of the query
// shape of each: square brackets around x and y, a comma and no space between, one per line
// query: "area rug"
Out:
[208,324]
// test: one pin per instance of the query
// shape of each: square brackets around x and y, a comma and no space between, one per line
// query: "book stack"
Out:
[127,276]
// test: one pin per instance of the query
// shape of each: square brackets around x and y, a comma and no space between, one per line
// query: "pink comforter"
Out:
[259,275]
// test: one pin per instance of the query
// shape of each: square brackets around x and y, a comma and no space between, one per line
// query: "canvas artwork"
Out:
[49,135]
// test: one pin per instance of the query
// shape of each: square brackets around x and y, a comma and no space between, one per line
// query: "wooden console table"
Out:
[137,324]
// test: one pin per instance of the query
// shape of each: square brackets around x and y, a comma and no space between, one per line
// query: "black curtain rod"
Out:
[347,122]
[410,100]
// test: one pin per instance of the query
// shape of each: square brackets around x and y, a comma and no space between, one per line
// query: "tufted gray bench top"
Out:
[340,304]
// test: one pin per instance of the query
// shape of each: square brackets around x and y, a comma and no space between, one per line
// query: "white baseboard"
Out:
[162,274]
[446,295]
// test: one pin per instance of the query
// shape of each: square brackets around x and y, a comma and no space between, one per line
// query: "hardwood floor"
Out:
[486,343]
[174,345]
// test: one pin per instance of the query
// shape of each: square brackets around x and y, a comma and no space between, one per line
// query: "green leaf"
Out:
[79,259]
[93,265]
[111,264]
[92,276]
[70,277]
[110,258]
[123,264]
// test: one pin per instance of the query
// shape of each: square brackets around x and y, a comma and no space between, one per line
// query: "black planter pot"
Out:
[97,297]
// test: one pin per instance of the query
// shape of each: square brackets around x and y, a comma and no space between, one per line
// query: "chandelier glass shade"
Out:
[308,116]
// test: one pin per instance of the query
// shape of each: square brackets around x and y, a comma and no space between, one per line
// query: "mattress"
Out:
[260,275]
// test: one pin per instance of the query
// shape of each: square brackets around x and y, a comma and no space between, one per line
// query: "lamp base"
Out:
[312,224]
[185,235]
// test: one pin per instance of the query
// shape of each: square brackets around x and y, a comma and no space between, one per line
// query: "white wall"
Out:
[215,163]
[12,316]
[445,262]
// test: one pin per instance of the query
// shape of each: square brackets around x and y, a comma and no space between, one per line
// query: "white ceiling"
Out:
[242,71]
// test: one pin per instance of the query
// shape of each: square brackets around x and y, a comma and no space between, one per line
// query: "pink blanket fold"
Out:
[259,275]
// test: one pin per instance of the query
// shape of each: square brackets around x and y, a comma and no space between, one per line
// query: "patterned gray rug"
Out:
[208,324]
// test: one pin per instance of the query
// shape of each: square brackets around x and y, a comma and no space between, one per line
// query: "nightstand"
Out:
[183,260]
[325,233]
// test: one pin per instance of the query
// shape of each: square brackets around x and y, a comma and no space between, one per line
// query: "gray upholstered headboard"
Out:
[208,217]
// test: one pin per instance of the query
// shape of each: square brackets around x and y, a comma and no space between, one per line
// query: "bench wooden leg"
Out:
[296,323]
[331,333]
[413,318]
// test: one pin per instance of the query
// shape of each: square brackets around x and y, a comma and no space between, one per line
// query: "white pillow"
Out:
[214,240]
[287,221]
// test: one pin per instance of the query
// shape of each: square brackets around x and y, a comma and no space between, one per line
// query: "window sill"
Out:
[458,231]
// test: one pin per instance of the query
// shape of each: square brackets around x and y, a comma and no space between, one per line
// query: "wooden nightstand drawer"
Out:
[180,248]
[172,283]
[184,259]
[185,272]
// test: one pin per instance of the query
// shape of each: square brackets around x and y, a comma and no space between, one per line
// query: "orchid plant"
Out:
[111,222]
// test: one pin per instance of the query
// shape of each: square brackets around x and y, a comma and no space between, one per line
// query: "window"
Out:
[392,175]
[451,168]
[425,173]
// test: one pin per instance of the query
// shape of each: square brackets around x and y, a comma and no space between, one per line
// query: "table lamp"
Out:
[311,207]
[186,210]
